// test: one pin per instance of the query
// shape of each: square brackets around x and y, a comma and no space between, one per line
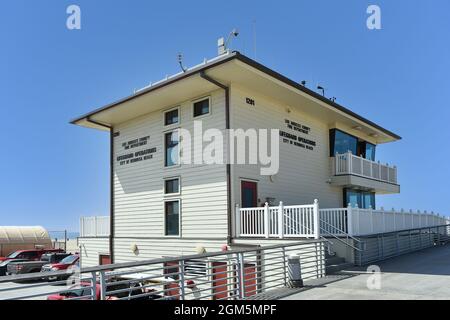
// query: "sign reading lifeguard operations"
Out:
[136,156]
[297,140]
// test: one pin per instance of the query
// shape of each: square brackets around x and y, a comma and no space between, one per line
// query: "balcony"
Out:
[352,171]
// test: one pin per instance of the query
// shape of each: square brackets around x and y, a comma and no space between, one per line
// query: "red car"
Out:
[64,264]
[30,255]
[82,291]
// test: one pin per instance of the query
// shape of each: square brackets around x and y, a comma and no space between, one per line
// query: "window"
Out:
[171,117]
[172,217]
[172,186]
[361,199]
[341,142]
[201,107]
[171,149]
[370,151]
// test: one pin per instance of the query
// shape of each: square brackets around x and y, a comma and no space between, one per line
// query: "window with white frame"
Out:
[172,186]
[172,217]
[171,154]
[202,107]
[172,117]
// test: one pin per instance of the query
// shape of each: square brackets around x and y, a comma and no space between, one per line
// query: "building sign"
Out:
[136,156]
[294,138]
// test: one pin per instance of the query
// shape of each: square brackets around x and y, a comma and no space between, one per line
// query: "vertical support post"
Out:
[349,219]
[102,285]
[93,285]
[182,280]
[65,240]
[266,220]
[281,220]
[237,222]
[349,161]
[316,219]
[241,275]
[284,266]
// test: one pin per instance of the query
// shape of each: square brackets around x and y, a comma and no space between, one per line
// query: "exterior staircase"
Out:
[334,264]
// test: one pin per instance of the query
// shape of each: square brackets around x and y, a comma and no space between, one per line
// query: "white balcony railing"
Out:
[94,226]
[348,163]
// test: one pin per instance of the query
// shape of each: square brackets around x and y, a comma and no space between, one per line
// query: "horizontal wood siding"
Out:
[303,174]
[138,187]
[91,248]
[157,248]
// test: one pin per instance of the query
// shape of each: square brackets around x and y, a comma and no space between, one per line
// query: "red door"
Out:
[104,259]
[249,194]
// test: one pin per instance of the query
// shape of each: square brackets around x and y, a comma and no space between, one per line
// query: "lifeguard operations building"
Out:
[325,190]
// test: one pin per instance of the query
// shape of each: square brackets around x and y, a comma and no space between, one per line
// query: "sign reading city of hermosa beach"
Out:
[136,156]
[295,139]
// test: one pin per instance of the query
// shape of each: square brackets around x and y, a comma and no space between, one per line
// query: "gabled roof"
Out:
[91,119]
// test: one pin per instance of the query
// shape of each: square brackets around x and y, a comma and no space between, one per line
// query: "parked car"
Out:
[4,265]
[64,264]
[24,267]
[31,255]
[83,292]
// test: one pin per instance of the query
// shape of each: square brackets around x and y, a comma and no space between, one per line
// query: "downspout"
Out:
[228,165]
[111,185]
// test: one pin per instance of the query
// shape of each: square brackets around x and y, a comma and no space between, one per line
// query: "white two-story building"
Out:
[162,207]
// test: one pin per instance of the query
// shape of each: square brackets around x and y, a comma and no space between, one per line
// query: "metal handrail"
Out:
[342,232]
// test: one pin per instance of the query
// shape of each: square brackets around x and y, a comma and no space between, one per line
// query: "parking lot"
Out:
[21,289]
[416,276]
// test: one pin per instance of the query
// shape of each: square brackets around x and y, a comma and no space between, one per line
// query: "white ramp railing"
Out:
[359,222]
[278,222]
[94,226]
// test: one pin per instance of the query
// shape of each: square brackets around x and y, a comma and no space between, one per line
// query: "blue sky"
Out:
[53,172]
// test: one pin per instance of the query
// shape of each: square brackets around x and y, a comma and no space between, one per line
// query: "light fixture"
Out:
[321,88]
[359,128]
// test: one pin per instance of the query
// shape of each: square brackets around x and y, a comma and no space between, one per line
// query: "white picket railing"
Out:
[94,226]
[300,221]
[278,222]
[359,222]
[348,163]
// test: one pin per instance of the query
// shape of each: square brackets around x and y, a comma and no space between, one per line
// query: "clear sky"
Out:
[53,172]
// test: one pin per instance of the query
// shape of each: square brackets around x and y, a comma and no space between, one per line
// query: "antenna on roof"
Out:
[180,61]
[319,87]
[223,45]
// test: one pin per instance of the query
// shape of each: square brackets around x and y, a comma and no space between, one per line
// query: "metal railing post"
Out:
[240,275]
[266,220]
[284,266]
[94,286]
[182,281]
[102,285]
